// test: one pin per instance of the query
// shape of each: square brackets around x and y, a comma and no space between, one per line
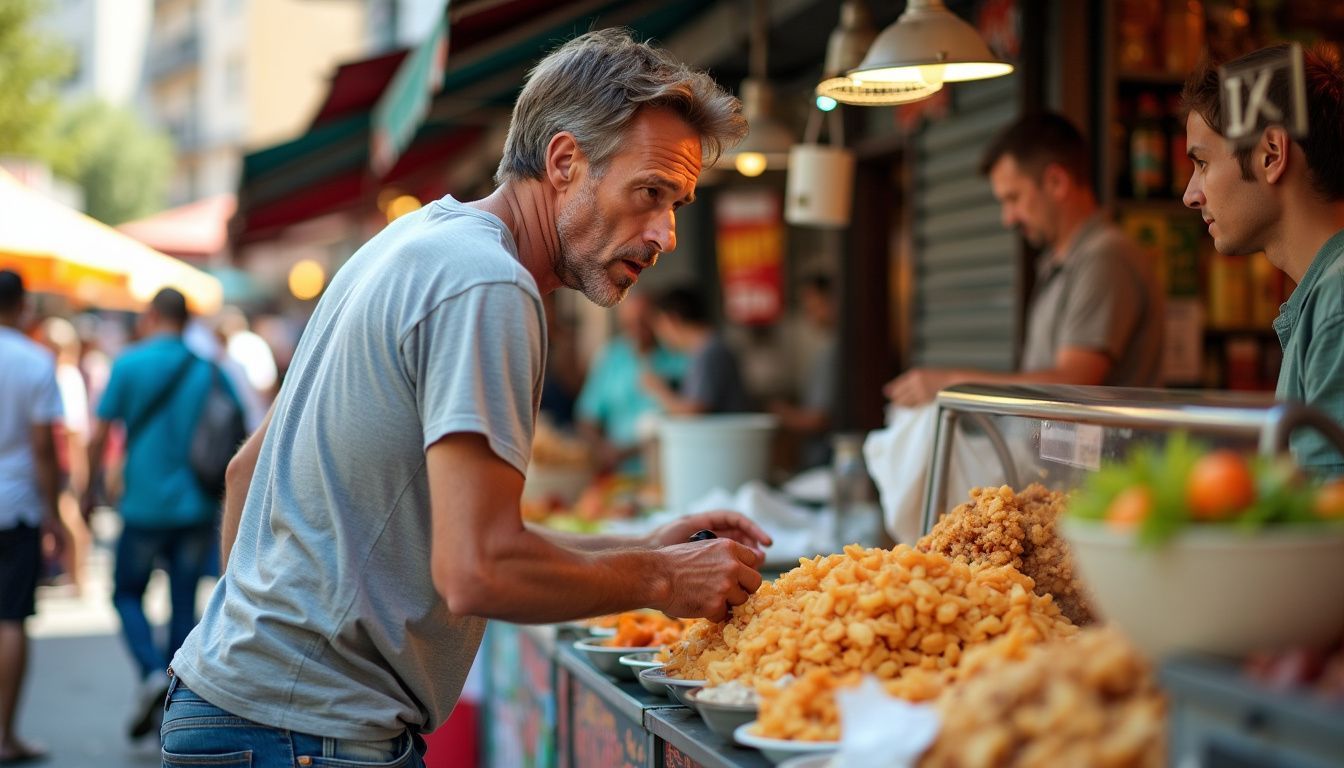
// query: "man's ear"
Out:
[1055,181]
[564,159]
[1272,152]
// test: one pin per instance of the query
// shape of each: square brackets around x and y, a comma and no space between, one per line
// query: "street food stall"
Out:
[1106,636]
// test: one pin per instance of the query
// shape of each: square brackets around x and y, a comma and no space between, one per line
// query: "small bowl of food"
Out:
[607,658]
[725,707]
[781,750]
[674,688]
[641,661]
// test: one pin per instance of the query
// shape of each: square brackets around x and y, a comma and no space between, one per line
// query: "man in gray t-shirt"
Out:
[1096,314]
[372,524]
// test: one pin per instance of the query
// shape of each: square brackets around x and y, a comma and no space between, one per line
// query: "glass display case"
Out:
[990,435]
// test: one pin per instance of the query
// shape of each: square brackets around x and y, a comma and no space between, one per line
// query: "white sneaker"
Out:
[148,704]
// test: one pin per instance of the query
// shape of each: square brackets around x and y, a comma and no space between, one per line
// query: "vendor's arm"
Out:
[1073,365]
[667,398]
[237,482]
[487,563]
[724,524]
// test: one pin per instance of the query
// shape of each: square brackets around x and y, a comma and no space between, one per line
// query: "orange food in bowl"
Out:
[1330,501]
[1219,486]
[644,629]
[1130,508]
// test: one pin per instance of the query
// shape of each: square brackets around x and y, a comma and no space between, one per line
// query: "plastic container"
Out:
[701,453]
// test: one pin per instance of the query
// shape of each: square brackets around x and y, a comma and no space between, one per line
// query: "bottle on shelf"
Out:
[1148,150]
[1182,35]
[1138,25]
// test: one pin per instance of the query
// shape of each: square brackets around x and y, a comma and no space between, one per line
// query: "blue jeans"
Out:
[184,553]
[197,733]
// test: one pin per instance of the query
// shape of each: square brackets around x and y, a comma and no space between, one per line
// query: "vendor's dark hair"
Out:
[818,282]
[1324,143]
[685,304]
[11,291]
[1037,140]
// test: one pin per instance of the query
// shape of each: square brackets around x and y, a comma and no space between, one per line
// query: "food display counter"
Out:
[549,706]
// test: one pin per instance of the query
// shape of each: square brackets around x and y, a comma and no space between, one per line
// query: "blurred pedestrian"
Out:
[30,405]
[613,406]
[72,450]
[713,381]
[373,524]
[155,391]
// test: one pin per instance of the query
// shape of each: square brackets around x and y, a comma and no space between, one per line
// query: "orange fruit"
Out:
[1130,507]
[1330,501]
[1219,486]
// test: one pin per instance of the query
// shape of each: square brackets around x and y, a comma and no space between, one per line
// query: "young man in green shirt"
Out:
[1284,196]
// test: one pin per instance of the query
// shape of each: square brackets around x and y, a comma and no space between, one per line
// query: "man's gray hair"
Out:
[593,85]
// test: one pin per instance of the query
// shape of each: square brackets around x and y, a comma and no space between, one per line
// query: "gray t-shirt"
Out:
[1102,296]
[327,621]
[713,381]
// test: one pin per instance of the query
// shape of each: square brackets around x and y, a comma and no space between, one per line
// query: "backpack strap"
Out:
[160,399]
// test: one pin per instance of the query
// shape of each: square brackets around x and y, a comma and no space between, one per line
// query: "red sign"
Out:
[751,255]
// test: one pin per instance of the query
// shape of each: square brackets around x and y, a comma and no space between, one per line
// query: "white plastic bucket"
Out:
[702,453]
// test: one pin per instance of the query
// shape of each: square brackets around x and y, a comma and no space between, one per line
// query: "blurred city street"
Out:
[80,678]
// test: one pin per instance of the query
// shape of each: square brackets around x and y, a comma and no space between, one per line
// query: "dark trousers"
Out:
[184,553]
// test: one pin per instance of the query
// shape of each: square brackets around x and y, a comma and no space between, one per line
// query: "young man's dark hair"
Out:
[1324,143]
[685,304]
[171,305]
[818,282]
[11,291]
[1037,140]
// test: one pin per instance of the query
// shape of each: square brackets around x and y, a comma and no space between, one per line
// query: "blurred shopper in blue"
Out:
[613,407]
[155,391]
[30,404]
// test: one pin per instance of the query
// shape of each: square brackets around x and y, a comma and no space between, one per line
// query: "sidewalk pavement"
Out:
[81,681]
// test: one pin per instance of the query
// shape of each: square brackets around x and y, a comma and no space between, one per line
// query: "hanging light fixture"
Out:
[844,51]
[927,43]
[767,142]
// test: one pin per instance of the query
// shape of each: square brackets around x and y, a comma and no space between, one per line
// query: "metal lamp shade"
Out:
[931,44]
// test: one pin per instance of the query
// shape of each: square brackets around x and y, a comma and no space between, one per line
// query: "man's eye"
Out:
[651,193]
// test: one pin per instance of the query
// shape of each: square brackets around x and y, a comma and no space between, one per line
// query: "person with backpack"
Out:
[171,404]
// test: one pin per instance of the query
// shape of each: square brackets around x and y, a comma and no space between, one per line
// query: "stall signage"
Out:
[1249,105]
[603,737]
[1077,445]
[750,243]
[675,758]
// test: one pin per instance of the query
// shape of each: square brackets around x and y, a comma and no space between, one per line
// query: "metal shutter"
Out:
[966,284]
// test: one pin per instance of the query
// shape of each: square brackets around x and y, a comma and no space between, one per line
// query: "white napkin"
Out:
[878,730]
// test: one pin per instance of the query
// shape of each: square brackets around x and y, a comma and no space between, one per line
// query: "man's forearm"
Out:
[588,542]
[48,475]
[539,580]
[237,483]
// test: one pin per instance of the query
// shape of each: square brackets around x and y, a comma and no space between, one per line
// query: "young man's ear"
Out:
[1272,152]
[564,158]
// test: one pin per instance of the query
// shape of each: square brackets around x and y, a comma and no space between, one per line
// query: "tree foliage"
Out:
[122,164]
[32,66]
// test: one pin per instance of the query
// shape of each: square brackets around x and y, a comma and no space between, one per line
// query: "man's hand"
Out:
[918,386]
[707,578]
[54,538]
[724,524]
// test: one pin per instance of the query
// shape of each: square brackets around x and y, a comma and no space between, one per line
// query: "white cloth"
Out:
[29,397]
[899,459]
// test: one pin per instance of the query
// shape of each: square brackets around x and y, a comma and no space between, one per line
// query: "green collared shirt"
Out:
[1310,326]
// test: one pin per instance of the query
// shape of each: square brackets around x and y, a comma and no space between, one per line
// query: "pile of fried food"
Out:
[1000,527]
[975,613]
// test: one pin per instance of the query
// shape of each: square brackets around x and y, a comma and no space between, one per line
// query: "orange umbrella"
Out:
[61,251]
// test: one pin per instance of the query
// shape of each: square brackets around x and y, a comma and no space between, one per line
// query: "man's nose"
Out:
[662,233]
[1194,196]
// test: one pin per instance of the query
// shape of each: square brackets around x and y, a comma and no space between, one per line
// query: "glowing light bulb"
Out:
[826,103]
[750,163]
[306,279]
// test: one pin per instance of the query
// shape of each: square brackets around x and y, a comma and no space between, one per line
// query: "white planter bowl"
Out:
[780,750]
[1215,589]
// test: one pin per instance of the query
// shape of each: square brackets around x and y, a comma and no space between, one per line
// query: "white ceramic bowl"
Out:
[721,718]
[1215,589]
[808,761]
[607,658]
[780,750]
[641,660]
[674,687]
